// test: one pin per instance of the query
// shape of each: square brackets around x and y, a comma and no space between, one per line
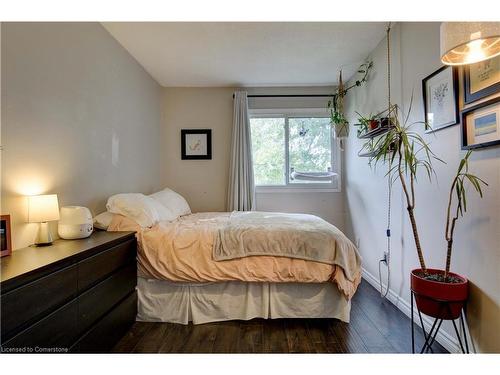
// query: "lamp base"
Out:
[44,238]
[42,244]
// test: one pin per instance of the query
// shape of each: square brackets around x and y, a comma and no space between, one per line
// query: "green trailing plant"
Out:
[336,104]
[458,191]
[338,119]
[407,153]
[363,124]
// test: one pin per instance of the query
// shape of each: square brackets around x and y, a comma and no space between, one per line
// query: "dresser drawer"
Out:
[57,330]
[100,266]
[102,336]
[97,301]
[24,305]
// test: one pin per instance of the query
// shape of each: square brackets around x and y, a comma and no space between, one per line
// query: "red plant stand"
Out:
[431,336]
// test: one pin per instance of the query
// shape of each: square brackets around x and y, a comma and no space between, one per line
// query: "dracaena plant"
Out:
[407,153]
[458,194]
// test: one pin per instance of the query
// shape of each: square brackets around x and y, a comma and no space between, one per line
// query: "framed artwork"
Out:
[481,79]
[196,144]
[481,125]
[440,93]
[5,240]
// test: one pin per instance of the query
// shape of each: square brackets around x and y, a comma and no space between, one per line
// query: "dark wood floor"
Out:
[376,326]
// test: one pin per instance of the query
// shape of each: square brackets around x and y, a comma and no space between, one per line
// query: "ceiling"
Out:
[187,54]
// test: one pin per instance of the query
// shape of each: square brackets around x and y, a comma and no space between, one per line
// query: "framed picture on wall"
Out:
[481,80]
[481,125]
[196,144]
[5,240]
[440,94]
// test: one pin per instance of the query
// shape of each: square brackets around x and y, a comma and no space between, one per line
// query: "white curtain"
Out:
[241,189]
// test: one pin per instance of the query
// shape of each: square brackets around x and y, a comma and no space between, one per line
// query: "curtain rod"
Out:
[291,96]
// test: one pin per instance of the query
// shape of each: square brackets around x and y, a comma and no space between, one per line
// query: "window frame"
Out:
[287,113]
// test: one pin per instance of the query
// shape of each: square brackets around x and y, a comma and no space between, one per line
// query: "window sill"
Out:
[288,189]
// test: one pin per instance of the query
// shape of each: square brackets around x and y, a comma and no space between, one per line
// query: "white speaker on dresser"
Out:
[75,222]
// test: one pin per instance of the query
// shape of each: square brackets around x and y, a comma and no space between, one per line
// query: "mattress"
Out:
[182,251]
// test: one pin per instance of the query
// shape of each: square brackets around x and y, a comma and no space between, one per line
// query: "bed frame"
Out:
[164,301]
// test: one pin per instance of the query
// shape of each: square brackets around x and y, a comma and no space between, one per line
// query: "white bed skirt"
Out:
[163,301]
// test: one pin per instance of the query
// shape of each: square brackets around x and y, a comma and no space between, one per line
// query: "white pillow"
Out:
[173,201]
[103,220]
[164,214]
[144,210]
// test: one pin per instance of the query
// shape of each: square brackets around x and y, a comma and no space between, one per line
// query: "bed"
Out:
[207,267]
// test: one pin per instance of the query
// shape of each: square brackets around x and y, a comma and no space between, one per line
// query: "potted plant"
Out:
[407,153]
[443,285]
[336,104]
[385,122]
[374,123]
[367,123]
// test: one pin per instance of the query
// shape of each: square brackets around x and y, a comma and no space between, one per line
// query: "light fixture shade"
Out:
[42,208]
[465,43]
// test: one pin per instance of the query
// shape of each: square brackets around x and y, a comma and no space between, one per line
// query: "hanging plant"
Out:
[366,124]
[336,104]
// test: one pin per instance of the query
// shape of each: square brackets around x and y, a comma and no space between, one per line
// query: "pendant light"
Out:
[465,43]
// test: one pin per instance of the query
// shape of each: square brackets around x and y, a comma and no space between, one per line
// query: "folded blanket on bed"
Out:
[297,236]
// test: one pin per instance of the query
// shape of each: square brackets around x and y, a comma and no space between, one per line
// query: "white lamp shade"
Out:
[42,208]
[465,43]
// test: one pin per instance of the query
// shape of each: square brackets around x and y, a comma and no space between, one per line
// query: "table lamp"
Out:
[42,209]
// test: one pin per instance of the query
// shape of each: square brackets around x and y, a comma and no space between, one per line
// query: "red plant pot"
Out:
[373,124]
[438,299]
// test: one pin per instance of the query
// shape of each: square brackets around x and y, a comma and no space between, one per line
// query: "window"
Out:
[294,150]
[268,150]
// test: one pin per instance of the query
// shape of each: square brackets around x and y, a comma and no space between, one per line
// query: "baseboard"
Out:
[449,342]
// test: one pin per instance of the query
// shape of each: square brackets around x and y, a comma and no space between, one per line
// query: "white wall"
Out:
[327,205]
[80,118]
[204,182]
[476,250]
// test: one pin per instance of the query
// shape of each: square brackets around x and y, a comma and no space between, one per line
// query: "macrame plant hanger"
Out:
[390,113]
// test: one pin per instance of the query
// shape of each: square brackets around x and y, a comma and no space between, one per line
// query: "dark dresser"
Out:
[73,296]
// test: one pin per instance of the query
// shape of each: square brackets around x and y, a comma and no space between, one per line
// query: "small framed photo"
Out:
[481,125]
[196,144]
[5,240]
[440,93]
[481,79]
